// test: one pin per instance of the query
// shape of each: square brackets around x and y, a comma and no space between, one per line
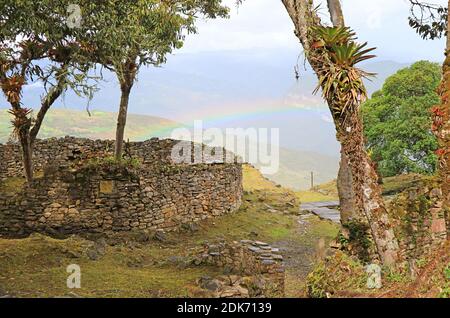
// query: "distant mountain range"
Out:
[295,166]
[224,89]
[214,84]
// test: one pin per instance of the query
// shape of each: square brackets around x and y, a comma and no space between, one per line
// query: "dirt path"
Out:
[300,251]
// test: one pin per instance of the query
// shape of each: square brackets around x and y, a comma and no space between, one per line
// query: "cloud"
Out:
[256,24]
[35,85]
[265,24]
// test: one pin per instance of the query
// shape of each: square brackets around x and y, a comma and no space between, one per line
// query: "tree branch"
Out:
[429,20]
[302,15]
[48,101]
[336,14]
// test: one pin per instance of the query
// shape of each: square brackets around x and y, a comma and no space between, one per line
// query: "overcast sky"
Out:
[264,24]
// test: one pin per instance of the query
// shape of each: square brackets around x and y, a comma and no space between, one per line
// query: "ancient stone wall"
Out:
[82,193]
[260,262]
[70,151]
[420,217]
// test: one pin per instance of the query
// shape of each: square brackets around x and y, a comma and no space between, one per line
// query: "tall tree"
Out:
[433,21]
[346,195]
[126,35]
[333,53]
[37,46]
[397,121]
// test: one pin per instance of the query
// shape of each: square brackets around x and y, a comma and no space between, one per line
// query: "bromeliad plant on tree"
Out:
[339,78]
[37,46]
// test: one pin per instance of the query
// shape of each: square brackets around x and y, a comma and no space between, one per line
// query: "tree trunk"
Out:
[126,73]
[445,136]
[344,179]
[445,173]
[367,193]
[27,155]
[345,190]
[23,124]
[336,14]
[448,30]
[122,118]
[441,128]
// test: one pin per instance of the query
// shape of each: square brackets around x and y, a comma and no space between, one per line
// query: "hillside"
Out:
[391,186]
[196,82]
[295,165]
[100,125]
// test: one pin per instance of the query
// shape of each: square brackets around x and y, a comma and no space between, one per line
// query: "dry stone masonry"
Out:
[261,264]
[421,218]
[82,191]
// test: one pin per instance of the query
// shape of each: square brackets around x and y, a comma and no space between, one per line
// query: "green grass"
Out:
[36,267]
[322,192]
[253,180]
[313,196]
[390,186]
[245,224]
[336,274]
[14,185]
[397,184]
[320,229]
[267,210]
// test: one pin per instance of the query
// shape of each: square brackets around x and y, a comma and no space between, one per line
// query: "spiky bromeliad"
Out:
[337,53]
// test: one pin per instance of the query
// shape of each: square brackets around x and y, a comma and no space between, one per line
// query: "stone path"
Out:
[325,210]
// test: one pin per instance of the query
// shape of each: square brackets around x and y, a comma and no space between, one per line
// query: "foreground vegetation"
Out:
[425,273]
[342,276]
